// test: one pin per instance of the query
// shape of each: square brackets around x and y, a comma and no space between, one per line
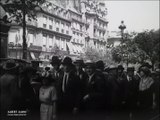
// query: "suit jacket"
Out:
[71,97]
[95,88]
[9,92]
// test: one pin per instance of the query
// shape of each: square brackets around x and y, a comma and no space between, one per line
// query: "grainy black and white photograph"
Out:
[79,60]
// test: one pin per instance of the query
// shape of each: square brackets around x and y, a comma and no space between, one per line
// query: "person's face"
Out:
[55,66]
[78,67]
[141,73]
[66,68]
[130,73]
[120,71]
[89,70]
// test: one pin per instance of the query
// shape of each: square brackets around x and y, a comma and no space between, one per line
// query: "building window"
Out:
[44,21]
[50,40]
[44,40]
[62,30]
[62,25]
[57,29]
[80,27]
[58,41]
[57,23]
[67,26]
[67,32]
[50,23]
[63,44]
[103,34]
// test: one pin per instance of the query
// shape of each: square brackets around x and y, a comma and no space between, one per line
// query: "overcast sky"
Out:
[137,15]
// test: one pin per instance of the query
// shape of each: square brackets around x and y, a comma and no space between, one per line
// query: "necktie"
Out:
[64,83]
[55,74]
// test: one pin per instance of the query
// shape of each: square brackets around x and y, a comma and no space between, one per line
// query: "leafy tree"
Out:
[19,11]
[143,47]
[96,55]
[148,42]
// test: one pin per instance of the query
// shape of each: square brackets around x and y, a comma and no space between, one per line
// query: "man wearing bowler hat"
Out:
[56,72]
[70,87]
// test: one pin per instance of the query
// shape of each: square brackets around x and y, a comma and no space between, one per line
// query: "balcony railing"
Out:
[32,23]
[55,10]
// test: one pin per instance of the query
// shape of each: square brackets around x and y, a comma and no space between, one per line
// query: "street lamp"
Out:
[122,27]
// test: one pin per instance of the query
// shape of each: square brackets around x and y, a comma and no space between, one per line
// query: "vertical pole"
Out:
[24,30]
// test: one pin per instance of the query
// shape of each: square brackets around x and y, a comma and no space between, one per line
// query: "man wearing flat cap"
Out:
[79,65]
[70,87]
[94,95]
[120,88]
[132,89]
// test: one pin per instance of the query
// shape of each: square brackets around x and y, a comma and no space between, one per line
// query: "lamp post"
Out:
[122,27]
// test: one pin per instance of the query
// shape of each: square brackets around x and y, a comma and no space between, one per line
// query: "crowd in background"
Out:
[77,89]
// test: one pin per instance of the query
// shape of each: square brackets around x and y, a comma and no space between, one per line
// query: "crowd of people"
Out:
[72,90]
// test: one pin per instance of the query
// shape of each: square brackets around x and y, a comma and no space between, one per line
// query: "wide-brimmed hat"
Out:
[67,61]
[55,60]
[29,69]
[120,67]
[10,65]
[79,62]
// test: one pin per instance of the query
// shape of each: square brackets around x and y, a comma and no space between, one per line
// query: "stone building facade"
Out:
[68,26]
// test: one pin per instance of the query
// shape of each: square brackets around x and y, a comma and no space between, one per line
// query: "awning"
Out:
[71,47]
[33,56]
[75,48]
[80,48]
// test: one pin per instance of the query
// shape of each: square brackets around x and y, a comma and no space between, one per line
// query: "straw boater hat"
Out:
[79,62]
[10,65]
[90,63]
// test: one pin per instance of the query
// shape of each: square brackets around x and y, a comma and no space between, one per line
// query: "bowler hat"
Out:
[100,64]
[67,61]
[10,65]
[55,60]
[130,69]
[120,67]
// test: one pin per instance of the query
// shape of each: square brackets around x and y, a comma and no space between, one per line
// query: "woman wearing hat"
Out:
[145,89]
[10,93]
[48,97]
